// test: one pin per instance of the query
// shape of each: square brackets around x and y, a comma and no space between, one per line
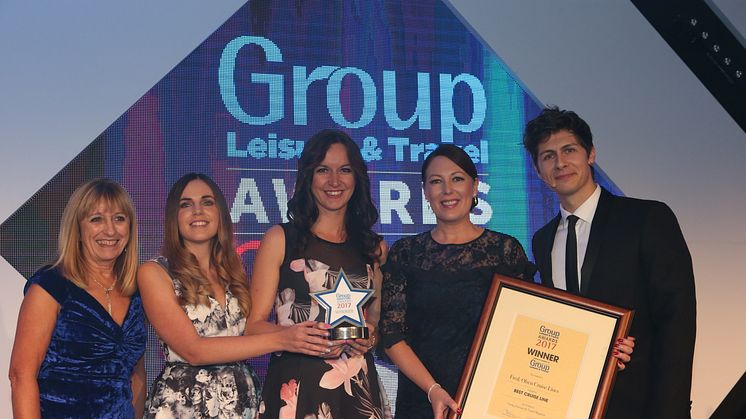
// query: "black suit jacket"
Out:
[637,258]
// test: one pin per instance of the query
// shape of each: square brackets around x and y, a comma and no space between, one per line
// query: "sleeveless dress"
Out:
[87,370]
[207,391]
[300,386]
[433,295]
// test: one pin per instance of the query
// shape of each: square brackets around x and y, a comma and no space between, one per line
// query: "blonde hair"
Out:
[223,257]
[84,200]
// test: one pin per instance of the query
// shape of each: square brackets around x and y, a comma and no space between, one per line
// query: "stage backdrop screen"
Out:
[401,77]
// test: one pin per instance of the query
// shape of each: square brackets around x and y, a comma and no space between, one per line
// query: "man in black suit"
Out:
[622,251]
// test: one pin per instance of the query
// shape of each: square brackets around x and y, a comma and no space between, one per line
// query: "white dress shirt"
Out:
[585,213]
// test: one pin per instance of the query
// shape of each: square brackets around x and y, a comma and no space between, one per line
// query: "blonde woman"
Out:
[81,328]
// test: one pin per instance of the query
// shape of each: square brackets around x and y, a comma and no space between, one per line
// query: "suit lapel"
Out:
[594,240]
[547,241]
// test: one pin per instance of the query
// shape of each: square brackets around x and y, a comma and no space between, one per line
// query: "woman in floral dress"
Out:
[331,215]
[196,297]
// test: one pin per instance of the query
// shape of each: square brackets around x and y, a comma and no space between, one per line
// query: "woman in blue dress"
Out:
[81,328]
[196,297]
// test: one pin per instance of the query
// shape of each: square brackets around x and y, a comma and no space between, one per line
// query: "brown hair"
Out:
[183,264]
[361,212]
[458,156]
[550,121]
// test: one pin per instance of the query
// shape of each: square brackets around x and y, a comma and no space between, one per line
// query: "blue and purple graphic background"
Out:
[400,77]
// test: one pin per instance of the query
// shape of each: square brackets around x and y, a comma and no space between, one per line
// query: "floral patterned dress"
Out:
[301,386]
[433,295]
[212,391]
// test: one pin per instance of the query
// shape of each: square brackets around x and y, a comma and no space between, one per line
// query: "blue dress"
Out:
[87,369]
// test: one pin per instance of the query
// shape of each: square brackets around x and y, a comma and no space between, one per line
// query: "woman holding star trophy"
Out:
[323,265]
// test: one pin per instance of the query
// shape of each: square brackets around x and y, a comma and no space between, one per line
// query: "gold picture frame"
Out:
[540,352]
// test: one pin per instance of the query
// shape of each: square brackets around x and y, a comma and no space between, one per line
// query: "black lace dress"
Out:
[433,296]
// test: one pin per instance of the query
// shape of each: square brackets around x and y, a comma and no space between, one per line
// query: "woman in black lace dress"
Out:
[435,284]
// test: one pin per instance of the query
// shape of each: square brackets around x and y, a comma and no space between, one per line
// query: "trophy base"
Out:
[348,332]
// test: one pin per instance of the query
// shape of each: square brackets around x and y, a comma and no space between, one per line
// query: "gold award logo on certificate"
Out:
[540,353]
[344,308]
[540,366]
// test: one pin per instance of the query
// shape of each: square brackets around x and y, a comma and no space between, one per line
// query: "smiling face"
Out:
[333,180]
[104,234]
[564,165]
[449,190]
[199,216]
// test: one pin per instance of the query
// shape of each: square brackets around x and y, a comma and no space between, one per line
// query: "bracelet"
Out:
[372,340]
[430,390]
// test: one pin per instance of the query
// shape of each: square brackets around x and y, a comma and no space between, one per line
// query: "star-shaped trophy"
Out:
[344,308]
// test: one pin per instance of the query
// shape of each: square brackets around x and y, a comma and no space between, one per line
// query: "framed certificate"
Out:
[540,353]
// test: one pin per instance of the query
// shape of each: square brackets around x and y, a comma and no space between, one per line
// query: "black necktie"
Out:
[571,256]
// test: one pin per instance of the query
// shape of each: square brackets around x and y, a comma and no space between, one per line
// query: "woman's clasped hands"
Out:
[312,338]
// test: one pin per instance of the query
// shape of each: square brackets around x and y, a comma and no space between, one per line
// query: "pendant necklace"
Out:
[106,293]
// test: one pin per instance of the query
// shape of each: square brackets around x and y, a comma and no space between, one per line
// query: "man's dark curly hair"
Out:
[550,121]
